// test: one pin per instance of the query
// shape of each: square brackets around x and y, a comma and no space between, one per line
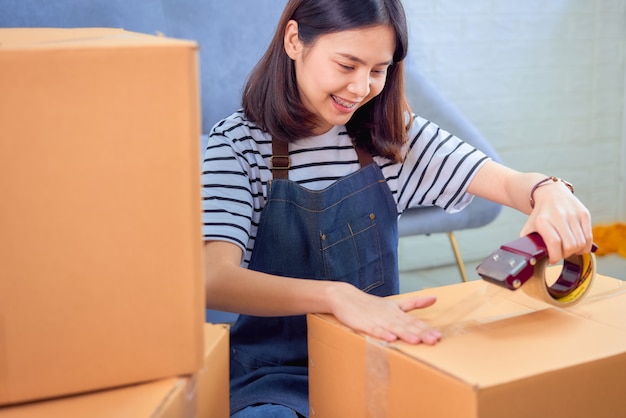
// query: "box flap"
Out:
[40,38]
[493,336]
[159,399]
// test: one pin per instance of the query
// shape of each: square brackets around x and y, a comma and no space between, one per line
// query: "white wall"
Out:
[622,207]
[545,82]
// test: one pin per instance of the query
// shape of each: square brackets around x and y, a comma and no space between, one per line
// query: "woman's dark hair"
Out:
[271,98]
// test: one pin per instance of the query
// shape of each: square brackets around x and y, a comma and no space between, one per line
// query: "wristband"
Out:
[544,181]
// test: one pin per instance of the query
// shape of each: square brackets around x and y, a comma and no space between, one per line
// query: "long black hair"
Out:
[271,98]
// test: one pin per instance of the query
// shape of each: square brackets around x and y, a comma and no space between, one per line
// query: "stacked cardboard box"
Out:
[203,394]
[101,253]
[503,354]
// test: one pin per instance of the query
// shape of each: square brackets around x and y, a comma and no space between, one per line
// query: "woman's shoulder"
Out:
[237,127]
[419,124]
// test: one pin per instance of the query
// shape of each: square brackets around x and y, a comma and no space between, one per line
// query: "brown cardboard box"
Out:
[213,379]
[203,394]
[173,397]
[503,355]
[100,258]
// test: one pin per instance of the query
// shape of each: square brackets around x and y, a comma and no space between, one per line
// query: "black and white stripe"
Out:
[437,170]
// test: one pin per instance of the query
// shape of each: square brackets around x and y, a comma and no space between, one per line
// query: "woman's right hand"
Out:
[382,318]
[232,288]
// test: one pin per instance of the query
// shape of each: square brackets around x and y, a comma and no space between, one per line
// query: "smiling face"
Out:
[341,71]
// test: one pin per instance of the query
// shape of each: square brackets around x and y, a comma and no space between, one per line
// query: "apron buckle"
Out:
[276,160]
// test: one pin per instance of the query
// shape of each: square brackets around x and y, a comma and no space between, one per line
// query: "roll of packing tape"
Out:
[524,262]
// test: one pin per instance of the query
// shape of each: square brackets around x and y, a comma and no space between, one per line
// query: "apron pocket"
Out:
[352,253]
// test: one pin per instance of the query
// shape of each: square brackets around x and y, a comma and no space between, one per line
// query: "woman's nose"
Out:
[360,84]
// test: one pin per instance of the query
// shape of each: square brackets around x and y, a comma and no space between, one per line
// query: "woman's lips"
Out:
[344,105]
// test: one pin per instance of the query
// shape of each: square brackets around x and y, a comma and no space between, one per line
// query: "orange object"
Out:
[165,398]
[610,239]
[503,354]
[101,280]
[203,394]
[212,381]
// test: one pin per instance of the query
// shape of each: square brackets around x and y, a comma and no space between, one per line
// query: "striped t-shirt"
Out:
[235,173]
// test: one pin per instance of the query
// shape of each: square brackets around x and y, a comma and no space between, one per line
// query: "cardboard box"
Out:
[503,355]
[101,278]
[173,397]
[204,394]
[214,378]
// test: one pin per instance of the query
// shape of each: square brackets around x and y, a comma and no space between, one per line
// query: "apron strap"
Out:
[280,163]
[365,158]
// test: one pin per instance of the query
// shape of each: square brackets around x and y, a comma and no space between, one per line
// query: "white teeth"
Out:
[349,105]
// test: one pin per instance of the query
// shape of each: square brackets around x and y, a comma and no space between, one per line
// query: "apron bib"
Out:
[347,232]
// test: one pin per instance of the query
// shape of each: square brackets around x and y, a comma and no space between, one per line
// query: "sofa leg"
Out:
[457,255]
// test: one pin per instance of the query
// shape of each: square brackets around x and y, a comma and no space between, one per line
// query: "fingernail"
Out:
[435,336]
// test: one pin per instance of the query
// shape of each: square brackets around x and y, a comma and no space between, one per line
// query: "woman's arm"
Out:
[559,217]
[230,287]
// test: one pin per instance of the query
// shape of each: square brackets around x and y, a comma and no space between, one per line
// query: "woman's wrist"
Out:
[547,181]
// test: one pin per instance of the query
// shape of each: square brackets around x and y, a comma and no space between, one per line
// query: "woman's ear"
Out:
[293,44]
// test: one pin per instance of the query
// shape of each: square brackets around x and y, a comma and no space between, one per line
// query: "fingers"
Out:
[564,234]
[586,233]
[420,332]
[384,318]
[418,302]
[410,329]
[417,332]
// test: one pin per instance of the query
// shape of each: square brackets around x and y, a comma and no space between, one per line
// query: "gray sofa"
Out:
[232,36]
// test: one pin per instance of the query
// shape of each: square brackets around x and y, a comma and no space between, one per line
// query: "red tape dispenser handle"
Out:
[518,261]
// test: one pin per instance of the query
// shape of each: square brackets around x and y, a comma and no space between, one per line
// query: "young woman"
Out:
[302,189]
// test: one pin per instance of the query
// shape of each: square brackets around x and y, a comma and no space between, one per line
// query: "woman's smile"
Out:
[342,105]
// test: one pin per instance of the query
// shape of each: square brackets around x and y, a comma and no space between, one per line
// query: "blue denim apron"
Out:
[347,232]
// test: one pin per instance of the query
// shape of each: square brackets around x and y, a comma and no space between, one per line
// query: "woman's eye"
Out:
[346,67]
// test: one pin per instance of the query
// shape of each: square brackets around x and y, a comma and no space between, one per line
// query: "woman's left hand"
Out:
[559,217]
[562,220]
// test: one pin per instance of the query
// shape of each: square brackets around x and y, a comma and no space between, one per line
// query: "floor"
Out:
[608,265]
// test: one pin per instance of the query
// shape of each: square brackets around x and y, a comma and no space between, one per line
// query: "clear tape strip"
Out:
[455,321]
[376,378]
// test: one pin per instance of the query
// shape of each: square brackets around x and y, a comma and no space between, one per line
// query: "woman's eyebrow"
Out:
[360,61]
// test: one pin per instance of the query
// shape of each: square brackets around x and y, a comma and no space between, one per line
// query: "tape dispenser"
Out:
[522,264]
